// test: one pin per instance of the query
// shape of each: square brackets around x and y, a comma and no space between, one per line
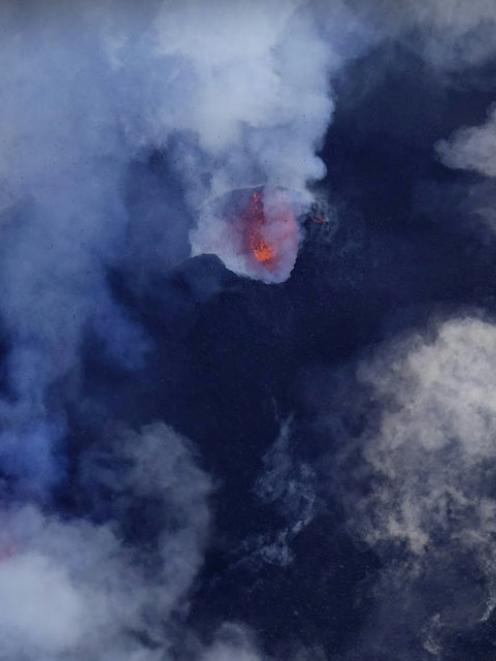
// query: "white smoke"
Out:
[260,107]
[429,509]
[72,589]
[233,95]
[61,169]
[472,148]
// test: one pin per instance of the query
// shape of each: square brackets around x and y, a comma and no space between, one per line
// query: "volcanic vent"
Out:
[255,231]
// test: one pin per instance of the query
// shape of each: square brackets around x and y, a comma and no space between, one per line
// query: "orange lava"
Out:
[259,247]
[262,251]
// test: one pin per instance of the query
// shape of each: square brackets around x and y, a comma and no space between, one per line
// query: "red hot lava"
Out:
[254,231]
[268,231]
[254,218]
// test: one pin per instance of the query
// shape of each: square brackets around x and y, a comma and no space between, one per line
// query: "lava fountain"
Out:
[259,247]
[254,231]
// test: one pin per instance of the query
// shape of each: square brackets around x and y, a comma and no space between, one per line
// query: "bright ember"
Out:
[262,251]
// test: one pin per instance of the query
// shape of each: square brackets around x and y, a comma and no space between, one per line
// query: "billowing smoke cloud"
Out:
[61,169]
[259,138]
[472,148]
[234,95]
[426,502]
[265,133]
[77,589]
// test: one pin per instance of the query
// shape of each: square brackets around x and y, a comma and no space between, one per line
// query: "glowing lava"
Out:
[267,231]
[255,220]
[254,231]
[262,251]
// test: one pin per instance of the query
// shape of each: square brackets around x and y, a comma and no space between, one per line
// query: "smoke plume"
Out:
[429,508]
[236,96]
[108,597]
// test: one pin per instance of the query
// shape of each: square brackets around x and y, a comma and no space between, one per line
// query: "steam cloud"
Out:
[106,597]
[430,509]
